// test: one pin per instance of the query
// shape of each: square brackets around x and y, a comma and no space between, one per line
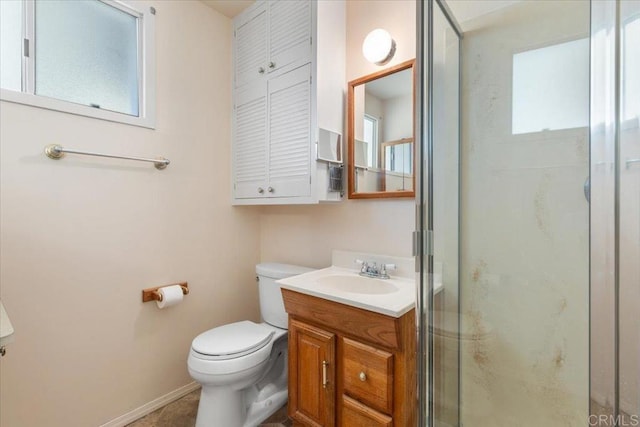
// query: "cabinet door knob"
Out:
[272,65]
[260,190]
[362,376]
[270,190]
[261,70]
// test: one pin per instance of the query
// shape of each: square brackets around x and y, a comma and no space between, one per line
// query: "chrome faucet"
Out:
[373,270]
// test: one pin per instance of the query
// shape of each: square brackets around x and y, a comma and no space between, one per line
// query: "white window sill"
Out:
[77,109]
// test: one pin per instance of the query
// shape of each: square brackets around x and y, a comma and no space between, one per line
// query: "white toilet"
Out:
[242,366]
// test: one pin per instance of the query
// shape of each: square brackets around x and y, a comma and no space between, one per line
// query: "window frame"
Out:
[628,120]
[146,70]
[376,140]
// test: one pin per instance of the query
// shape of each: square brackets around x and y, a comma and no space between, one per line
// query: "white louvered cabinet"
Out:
[269,37]
[289,78]
[250,46]
[250,141]
[289,115]
[289,33]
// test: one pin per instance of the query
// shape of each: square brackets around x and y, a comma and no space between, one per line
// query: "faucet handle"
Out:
[385,268]
[363,265]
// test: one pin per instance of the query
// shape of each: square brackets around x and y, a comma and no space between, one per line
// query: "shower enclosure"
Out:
[528,225]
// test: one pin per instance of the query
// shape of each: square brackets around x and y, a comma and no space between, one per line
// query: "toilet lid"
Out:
[232,340]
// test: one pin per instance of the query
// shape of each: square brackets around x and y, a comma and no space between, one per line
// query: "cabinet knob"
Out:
[362,376]
[272,65]
[261,70]
[270,190]
[260,190]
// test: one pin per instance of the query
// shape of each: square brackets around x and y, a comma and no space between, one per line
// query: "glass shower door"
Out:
[506,223]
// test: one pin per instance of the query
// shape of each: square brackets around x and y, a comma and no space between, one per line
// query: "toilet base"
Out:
[225,407]
[270,394]
[260,411]
[220,406]
[229,406]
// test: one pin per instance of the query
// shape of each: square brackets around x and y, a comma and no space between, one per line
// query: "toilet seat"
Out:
[232,364]
[232,340]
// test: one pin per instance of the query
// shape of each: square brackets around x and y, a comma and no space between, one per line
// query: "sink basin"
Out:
[391,297]
[357,284]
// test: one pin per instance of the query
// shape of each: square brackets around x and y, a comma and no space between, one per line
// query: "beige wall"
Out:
[82,236]
[307,234]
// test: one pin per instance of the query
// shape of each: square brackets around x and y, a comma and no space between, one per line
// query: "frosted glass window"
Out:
[11,44]
[631,67]
[87,53]
[551,88]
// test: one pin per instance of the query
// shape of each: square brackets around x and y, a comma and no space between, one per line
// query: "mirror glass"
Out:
[380,134]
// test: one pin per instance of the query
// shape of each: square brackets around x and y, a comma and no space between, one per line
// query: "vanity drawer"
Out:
[355,414]
[368,374]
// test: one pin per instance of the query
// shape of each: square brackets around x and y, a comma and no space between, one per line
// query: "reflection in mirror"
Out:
[380,135]
[397,159]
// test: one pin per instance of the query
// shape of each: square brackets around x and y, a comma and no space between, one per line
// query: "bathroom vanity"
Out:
[349,366]
[352,348]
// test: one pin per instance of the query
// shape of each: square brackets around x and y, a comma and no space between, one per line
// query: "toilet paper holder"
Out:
[152,294]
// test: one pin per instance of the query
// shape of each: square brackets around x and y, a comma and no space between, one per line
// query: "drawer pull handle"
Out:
[324,373]
[362,376]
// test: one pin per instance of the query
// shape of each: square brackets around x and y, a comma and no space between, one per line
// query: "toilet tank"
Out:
[271,303]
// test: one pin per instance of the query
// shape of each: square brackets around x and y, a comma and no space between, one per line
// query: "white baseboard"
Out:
[147,408]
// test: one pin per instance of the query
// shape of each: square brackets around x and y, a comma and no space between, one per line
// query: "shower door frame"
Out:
[606,166]
[423,243]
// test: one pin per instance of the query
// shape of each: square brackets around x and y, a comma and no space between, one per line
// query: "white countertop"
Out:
[393,304]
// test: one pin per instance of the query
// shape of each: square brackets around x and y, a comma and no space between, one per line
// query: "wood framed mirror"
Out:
[380,134]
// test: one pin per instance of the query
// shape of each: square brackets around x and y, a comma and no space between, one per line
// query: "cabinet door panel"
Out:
[311,382]
[289,32]
[249,149]
[355,414]
[290,133]
[251,47]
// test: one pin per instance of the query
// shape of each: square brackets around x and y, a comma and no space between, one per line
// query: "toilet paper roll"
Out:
[171,295]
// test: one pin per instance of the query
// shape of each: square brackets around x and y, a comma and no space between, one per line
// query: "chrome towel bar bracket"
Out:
[56,152]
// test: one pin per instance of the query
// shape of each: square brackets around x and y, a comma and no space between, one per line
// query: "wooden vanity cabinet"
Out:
[312,369]
[348,366]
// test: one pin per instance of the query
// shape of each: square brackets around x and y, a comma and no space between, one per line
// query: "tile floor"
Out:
[182,413]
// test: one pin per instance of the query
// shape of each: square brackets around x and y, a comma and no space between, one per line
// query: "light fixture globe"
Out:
[378,47]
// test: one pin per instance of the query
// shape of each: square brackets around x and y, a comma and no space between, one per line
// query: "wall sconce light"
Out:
[378,47]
